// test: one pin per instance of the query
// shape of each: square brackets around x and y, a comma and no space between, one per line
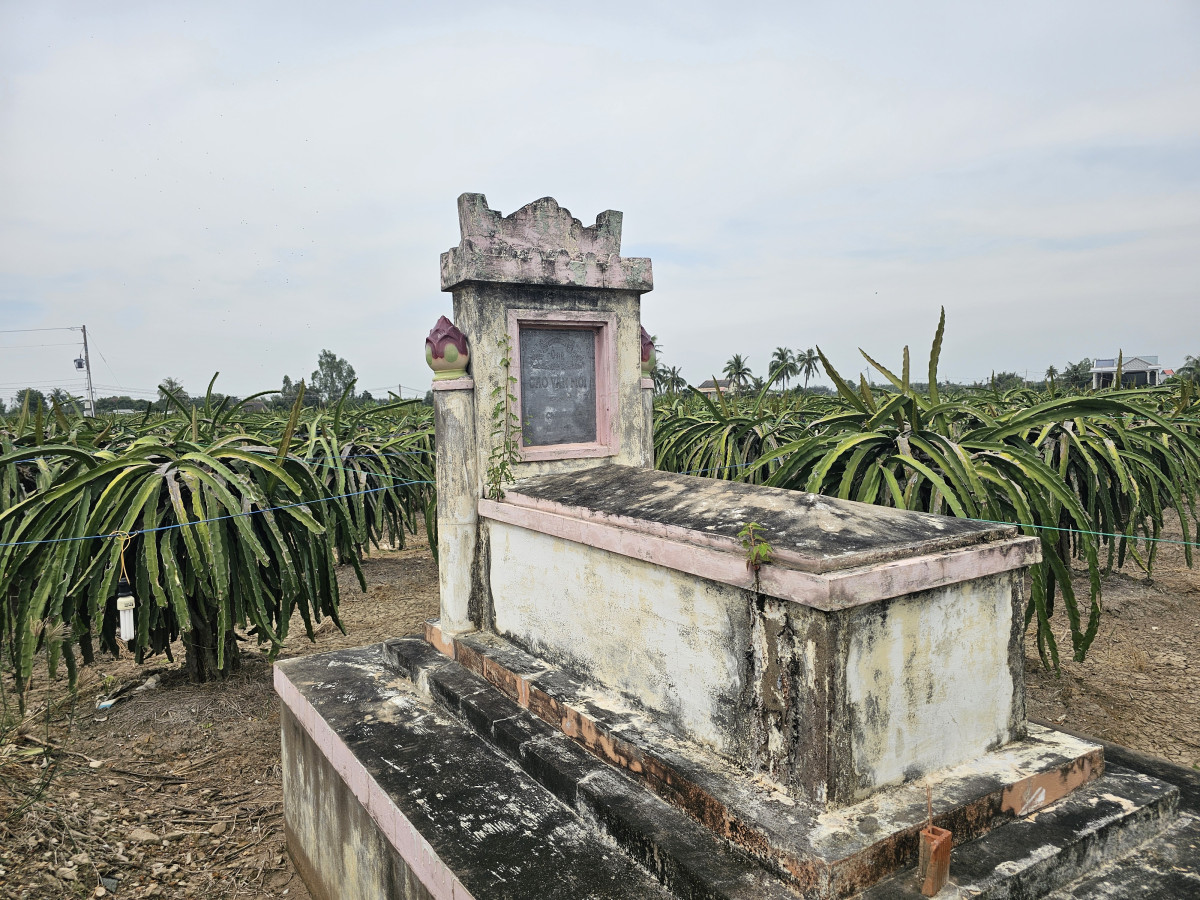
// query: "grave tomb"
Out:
[613,703]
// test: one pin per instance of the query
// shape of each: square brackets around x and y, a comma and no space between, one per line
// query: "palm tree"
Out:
[172,386]
[737,370]
[807,364]
[675,382]
[1051,373]
[659,374]
[783,366]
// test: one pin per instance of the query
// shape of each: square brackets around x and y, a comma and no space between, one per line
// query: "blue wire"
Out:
[1133,538]
[252,512]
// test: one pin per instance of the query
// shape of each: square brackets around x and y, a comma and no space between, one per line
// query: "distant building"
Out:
[1136,371]
[710,386]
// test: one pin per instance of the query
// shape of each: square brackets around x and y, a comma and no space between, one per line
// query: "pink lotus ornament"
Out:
[446,351]
[649,357]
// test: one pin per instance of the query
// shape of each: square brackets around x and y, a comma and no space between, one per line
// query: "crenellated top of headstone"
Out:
[541,243]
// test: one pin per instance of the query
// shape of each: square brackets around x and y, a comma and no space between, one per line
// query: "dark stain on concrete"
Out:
[823,533]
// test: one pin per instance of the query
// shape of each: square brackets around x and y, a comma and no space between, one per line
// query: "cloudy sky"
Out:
[235,186]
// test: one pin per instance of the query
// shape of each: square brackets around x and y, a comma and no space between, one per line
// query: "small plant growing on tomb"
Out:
[506,424]
[758,551]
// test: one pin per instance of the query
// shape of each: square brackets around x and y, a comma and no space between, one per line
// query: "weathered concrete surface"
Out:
[856,699]
[511,699]
[368,766]
[458,495]
[807,532]
[673,642]
[481,310]
[1165,868]
[1034,855]
[930,681]
[648,416]
[832,704]
[388,796]
[336,846]
[541,243]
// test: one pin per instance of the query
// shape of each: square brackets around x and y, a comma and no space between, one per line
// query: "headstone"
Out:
[558,385]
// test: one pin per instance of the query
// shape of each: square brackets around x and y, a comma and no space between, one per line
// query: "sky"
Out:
[234,187]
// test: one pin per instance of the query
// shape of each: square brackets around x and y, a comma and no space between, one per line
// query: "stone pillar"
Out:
[458,485]
[649,359]
[648,415]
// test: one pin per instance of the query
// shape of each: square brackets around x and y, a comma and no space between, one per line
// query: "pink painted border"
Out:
[429,869]
[455,384]
[607,441]
[825,591]
[647,384]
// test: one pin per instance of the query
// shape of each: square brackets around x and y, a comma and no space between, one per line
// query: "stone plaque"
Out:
[558,386]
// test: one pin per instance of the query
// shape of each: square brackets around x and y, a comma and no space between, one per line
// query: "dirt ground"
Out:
[1140,683]
[174,791]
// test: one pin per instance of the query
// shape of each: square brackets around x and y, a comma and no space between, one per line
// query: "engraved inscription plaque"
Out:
[558,386]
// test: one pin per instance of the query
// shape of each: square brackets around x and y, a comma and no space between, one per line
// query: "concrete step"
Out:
[689,859]
[1031,857]
[430,808]
[1165,868]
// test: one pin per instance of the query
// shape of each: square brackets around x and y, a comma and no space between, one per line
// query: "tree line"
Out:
[787,365]
[332,379]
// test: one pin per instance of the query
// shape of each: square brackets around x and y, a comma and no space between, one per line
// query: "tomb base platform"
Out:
[463,767]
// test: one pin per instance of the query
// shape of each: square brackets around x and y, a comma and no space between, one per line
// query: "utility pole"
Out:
[90,410]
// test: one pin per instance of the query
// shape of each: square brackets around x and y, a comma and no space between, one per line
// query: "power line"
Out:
[29,330]
[30,384]
[34,346]
[110,369]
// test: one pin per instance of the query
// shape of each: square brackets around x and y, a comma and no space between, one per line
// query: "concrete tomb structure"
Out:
[612,703]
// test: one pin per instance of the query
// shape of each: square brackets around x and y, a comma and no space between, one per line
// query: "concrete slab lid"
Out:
[807,532]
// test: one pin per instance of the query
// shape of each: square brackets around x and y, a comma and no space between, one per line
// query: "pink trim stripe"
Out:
[455,384]
[825,591]
[417,853]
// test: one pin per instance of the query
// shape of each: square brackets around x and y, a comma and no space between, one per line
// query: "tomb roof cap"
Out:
[541,243]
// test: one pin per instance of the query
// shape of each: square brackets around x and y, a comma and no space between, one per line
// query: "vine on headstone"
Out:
[506,424]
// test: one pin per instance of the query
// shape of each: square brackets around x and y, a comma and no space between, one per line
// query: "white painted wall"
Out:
[672,641]
[928,682]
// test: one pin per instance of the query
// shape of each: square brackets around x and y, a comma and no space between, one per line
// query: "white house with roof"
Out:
[1136,371]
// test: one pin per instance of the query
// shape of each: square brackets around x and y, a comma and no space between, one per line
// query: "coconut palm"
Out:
[659,375]
[737,370]
[808,364]
[783,366]
[675,382]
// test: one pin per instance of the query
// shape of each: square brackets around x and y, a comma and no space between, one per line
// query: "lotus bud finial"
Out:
[446,351]
[649,357]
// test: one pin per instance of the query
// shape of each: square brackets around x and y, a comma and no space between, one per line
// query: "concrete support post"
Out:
[648,415]
[458,498]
